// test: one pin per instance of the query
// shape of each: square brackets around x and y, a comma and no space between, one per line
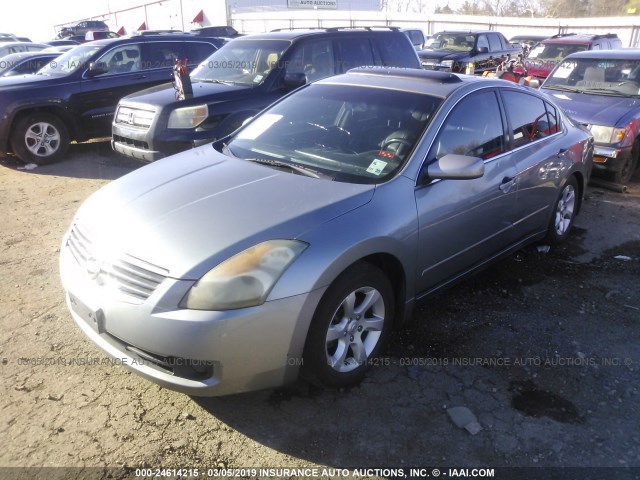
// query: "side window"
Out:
[396,51]
[354,52]
[527,116]
[198,51]
[417,37]
[125,58]
[164,54]
[315,59]
[478,135]
[494,43]
[482,42]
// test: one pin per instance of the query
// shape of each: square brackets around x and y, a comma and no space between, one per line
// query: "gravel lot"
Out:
[543,348]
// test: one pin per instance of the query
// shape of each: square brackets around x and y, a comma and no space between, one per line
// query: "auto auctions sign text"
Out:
[313,4]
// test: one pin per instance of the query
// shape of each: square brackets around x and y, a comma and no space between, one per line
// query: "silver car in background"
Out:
[298,242]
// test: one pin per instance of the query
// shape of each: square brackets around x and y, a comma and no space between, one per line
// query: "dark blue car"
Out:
[601,90]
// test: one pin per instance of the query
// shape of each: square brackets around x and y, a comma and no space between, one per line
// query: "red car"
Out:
[548,53]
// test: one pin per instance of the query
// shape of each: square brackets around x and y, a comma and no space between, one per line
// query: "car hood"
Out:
[21,81]
[440,55]
[189,212]
[539,68]
[165,94]
[594,109]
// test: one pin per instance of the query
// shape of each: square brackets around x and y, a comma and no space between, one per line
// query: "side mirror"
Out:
[294,80]
[482,50]
[534,83]
[456,167]
[97,68]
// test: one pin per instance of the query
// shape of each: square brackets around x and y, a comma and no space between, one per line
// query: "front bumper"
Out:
[142,145]
[608,159]
[200,353]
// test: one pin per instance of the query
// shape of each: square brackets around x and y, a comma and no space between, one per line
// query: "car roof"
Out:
[616,54]
[14,44]
[23,55]
[425,82]
[529,37]
[153,37]
[291,34]
[465,32]
[579,38]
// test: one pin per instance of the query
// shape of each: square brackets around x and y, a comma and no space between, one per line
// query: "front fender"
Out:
[17,108]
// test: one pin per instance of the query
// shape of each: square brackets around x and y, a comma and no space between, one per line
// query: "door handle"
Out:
[507,184]
[139,76]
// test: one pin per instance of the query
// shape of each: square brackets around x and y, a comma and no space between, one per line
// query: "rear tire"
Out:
[39,138]
[349,328]
[564,213]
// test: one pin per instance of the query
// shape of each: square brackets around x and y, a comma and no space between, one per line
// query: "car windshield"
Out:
[457,42]
[554,51]
[70,61]
[349,133]
[244,62]
[590,75]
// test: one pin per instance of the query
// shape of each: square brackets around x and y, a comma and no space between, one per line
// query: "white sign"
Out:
[324,4]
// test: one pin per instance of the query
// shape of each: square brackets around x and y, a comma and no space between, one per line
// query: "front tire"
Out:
[564,213]
[624,172]
[350,327]
[39,138]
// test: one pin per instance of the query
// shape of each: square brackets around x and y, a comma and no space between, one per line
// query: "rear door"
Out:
[533,126]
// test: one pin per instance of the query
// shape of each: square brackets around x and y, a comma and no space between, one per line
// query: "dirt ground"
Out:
[543,348]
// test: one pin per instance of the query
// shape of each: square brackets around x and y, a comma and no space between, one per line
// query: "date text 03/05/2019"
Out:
[312,472]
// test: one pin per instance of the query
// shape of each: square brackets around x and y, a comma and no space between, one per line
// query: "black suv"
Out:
[83,27]
[242,78]
[75,96]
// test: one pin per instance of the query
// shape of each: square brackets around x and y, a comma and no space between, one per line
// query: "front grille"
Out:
[134,117]
[132,277]
[131,142]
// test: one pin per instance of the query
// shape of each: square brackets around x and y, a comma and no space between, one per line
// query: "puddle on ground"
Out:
[532,401]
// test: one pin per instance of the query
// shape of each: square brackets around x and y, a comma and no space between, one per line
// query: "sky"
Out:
[35,18]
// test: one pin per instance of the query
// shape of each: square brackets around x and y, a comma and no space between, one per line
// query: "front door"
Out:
[463,223]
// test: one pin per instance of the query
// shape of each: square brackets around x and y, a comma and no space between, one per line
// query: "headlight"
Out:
[446,63]
[607,135]
[188,117]
[245,279]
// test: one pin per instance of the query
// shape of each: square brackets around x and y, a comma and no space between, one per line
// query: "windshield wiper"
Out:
[215,80]
[563,88]
[605,91]
[289,166]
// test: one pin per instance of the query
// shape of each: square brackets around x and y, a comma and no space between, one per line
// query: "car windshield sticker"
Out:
[376,167]
[260,125]
[258,78]
[564,70]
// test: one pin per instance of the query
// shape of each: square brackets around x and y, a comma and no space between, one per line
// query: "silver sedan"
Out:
[296,244]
